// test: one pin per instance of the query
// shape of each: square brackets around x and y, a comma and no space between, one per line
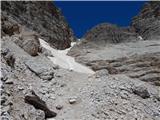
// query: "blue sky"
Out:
[83,15]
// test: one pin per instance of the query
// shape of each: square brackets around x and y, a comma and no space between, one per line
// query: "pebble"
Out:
[9,81]
[62,85]
[52,97]
[59,94]
[53,89]
[3,78]
[20,88]
[59,107]
[72,100]
[3,100]
[58,75]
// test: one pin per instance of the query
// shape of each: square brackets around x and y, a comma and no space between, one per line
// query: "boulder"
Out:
[40,105]
[44,70]
[30,42]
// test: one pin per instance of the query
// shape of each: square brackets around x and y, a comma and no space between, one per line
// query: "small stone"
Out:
[20,88]
[62,85]
[59,107]
[43,91]
[9,81]
[141,91]
[56,67]
[101,73]
[72,100]
[3,77]
[52,97]
[59,94]
[3,100]
[58,75]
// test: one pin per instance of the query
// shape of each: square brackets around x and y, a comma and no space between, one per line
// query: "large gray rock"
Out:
[147,22]
[44,18]
[44,70]
[28,40]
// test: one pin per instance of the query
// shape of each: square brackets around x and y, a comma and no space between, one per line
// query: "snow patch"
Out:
[51,119]
[140,37]
[63,60]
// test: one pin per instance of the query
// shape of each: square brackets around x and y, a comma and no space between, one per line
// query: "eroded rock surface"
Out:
[147,22]
[44,18]
[108,33]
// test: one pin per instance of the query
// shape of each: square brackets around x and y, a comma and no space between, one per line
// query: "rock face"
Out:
[42,17]
[109,33]
[23,37]
[147,22]
[9,26]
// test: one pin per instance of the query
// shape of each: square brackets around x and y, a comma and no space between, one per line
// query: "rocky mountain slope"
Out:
[147,22]
[146,25]
[108,33]
[42,17]
[132,52]
[121,81]
[75,95]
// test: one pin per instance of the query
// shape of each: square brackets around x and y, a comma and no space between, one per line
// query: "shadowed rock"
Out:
[44,18]
[39,104]
[9,57]
[141,91]
[9,27]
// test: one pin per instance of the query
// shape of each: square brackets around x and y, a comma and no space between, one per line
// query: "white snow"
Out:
[140,37]
[51,119]
[63,60]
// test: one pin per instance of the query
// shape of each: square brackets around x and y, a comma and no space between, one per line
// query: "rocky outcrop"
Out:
[43,17]
[109,33]
[9,26]
[23,37]
[138,60]
[147,22]
[101,35]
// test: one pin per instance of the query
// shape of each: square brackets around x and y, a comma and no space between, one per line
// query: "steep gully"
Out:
[61,58]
